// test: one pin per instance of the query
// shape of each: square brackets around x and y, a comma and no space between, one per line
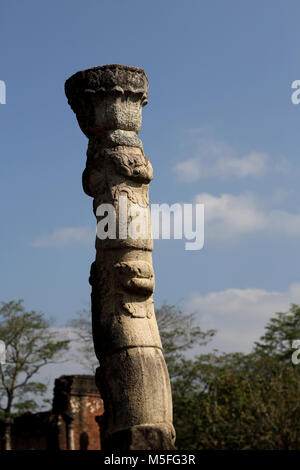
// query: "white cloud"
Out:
[65,236]
[240,315]
[226,217]
[215,159]
[229,216]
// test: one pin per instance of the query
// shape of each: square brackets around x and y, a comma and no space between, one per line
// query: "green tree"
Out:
[30,345]
[280,333]
[179,334]
[242,401]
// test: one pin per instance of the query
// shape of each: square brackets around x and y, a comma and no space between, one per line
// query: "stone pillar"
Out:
[8,422]
[133,378]
[69,420]
[98,420]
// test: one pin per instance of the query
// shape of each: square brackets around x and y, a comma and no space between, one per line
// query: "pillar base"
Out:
[142,437]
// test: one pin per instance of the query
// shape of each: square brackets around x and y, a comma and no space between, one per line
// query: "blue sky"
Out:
[219,128]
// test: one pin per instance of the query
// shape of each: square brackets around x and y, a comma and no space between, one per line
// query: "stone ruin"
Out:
[132,378]
[73,423]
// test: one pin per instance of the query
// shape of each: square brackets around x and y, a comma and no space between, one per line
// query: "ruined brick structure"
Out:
[32,431]
[77,406]
[72,424]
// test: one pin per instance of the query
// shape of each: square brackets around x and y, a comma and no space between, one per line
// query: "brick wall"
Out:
[76,404]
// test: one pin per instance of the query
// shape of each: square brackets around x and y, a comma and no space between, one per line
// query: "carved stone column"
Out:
[133,378]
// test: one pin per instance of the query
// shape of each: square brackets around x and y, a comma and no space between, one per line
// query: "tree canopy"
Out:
[227,401]
[242,401]
[30,345]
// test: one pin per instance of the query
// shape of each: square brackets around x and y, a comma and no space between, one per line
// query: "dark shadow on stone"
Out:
[84,441]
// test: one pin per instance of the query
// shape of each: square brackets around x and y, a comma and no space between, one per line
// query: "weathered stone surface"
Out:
[142,437]
[133,377]
[109,97]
